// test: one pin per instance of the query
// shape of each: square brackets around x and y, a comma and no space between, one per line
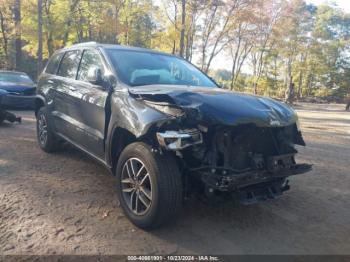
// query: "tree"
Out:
[18,30]
[267,14]
[267,42]
[183,27]
[242,41]
[217,24]
[40,36]
[69,19]
[4,30]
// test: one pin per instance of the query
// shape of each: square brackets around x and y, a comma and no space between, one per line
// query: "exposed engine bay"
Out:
[232,159]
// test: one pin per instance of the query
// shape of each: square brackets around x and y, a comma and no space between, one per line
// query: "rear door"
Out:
[65,118]
[48,81]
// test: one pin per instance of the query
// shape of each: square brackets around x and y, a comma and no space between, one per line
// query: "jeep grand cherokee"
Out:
[165,129]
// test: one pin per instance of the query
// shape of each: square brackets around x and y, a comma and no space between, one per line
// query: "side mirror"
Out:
[112,81]
[94,76]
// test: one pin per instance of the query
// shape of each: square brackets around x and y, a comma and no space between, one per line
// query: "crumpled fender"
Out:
[133,115]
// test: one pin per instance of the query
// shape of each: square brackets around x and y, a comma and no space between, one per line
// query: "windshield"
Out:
[137,68]
[15,78]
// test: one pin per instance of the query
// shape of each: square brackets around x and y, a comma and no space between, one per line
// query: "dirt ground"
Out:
[65,203]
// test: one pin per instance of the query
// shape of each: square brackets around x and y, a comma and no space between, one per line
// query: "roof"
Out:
[112,46]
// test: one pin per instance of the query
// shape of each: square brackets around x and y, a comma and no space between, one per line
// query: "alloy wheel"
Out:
[136,186]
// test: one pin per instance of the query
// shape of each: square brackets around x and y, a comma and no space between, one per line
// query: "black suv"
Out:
[165,129]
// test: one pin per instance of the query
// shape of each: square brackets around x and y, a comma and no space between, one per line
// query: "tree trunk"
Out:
[183,25]
[175,28]
[46,5]
[89,28]
[260,69]
[235,56]
[189,39]
[206,36]
[40,36]
[72,6]
[4,38]
[309,83]
[222,34]
[116,24]
[18,41]
[299,94]
[49,43]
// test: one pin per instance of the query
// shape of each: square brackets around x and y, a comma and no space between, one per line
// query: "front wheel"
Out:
[149,186]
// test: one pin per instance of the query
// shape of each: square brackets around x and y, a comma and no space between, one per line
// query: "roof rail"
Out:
[86,43]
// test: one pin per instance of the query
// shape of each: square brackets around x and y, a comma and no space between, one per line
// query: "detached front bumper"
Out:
[18,101]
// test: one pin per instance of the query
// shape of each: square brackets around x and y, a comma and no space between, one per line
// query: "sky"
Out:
[223,62]
[344,4]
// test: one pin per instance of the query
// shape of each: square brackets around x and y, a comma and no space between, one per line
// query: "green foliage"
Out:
[269,43]
[222,75]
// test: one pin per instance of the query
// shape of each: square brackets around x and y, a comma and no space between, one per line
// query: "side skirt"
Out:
[85,151]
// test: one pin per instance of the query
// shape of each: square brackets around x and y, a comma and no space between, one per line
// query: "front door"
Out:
[79,106]
[90,103]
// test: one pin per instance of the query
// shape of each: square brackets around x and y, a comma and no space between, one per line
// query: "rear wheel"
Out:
[149,186]
[46,138]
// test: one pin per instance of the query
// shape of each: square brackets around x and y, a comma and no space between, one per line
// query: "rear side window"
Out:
[91,60]
[53,64]
[69,64]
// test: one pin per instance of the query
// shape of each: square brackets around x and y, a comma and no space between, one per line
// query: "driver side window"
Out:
[91,60]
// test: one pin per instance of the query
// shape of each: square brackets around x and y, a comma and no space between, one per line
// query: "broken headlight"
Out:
[177,140]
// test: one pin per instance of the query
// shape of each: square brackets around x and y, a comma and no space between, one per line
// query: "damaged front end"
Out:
[253,162]
[248,159]
[179,140]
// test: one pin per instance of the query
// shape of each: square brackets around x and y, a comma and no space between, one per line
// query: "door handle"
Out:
[72,88]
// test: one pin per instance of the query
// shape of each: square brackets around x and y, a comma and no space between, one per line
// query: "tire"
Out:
[162,188]
[46,138]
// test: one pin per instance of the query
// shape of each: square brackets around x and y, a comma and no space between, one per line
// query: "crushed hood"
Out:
[218,106]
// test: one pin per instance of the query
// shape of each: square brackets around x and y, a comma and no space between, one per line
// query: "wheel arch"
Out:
[38,103]
[120,138]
